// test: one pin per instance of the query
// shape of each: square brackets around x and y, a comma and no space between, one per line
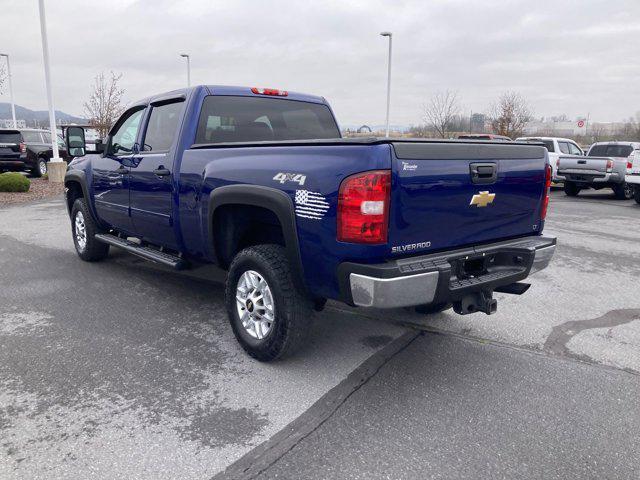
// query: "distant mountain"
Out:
[41,117]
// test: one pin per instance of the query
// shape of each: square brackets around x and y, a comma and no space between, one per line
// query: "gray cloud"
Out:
[563,56]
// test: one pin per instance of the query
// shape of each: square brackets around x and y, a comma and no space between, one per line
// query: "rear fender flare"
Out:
[265,197]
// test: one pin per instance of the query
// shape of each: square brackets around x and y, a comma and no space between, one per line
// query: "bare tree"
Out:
[510,114]
[441,111]
[105,103]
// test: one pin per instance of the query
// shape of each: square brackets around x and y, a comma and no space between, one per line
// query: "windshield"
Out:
[250,119]
[611,151]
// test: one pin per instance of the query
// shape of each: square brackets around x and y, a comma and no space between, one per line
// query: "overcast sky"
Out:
[571,57]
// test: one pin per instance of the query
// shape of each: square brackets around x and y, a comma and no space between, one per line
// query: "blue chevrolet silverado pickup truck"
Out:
[259,182]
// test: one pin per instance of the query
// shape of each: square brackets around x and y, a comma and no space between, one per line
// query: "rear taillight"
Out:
[363,207]
[609,165]
[269,91]
[629,164]
[547,189]
[23,147]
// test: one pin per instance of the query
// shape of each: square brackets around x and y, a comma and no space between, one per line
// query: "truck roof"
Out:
[228,90]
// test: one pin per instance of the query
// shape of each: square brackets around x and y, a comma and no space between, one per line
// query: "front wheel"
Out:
[270,318]
[623,191]
[571,189]
[636,193]
[84,229]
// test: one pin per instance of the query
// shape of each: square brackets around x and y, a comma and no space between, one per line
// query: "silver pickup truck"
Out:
[604,166]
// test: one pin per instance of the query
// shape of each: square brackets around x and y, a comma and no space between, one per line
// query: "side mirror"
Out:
[99,148]
[76,144]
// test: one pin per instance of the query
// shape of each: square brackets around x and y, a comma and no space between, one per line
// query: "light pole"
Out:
[13,107]
[47,79]
[390,35]
[186,55]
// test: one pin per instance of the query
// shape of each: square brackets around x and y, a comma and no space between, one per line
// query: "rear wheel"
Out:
[40,169]
[270,318]
[636,193]
[571,189]
[84,229]
[623,191]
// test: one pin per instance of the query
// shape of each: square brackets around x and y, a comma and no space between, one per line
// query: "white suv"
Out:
[556,146]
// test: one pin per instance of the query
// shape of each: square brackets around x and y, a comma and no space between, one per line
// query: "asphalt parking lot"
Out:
[121,369]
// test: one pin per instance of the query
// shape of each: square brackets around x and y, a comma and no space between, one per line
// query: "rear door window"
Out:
[32,137]
[564,147]
[575,150]
[251,119]
[162,127]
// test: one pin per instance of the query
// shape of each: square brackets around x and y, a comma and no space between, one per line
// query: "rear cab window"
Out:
[250,119]
[611,151]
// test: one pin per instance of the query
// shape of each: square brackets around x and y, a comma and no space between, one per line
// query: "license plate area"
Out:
[478,266]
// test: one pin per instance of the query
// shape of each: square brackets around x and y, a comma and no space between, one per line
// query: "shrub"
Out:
[14,182]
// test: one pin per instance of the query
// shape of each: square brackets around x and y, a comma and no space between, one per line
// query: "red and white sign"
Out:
[580,123]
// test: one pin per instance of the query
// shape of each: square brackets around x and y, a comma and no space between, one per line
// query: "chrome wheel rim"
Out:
[80,231]
[43,167]
[628,191]
[255,305]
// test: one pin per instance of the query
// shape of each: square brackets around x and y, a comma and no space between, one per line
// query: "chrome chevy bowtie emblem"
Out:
[482,199]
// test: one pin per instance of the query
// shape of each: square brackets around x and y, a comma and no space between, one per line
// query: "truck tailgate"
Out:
[586,165]
[455,194]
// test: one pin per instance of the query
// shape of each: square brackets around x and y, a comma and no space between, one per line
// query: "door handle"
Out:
[162,172]
[483,173]
[582,162]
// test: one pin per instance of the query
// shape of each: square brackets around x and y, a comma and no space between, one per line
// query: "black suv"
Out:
[27,149]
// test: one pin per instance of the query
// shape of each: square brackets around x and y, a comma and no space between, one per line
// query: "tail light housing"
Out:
[609,166]
[363,207]
[629,164]
[547,190]
[269,91]
[23,147]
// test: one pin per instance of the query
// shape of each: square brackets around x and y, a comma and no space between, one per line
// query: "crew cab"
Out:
[605,166]
[556,146]
[259,182]
[27,149]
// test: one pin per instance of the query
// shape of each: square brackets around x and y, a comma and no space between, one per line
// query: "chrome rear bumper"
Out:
[439,282]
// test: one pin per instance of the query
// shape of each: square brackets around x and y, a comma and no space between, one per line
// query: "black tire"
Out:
[40,169]
[636,193]
[571,189]
[93,250]
[292,310]
[433,308]
[623,191]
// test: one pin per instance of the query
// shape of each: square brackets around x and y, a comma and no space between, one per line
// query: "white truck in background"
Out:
[556,146]
[632,176]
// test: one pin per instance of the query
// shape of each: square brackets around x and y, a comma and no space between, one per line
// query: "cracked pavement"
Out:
[122,369]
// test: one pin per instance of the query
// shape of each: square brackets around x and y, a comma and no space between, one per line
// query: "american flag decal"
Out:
[310,205]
